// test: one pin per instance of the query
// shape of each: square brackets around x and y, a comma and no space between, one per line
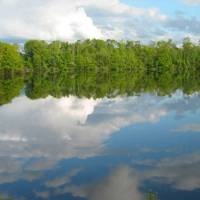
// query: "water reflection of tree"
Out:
[152,196]
[41,83]
[10,87]
[96,85]
[105,84]
[1,198]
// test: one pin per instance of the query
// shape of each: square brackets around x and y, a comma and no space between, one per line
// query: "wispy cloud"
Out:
[64,179]
[188,128]
[192,2]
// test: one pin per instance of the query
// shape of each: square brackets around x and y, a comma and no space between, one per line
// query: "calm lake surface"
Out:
[125,147]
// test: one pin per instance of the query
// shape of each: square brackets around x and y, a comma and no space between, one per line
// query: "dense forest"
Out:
[101,55]
[95,68]
[112,55]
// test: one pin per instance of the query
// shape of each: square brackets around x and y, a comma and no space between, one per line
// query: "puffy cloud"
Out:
[79,19]
[49,20]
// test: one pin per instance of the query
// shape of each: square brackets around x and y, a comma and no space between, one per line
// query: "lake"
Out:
[99,140]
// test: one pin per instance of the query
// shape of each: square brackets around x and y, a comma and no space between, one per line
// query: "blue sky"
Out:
[70,20]
[168,7]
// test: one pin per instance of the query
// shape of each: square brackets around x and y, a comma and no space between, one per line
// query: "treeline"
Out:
[101,55]
[96,68]
[112,55]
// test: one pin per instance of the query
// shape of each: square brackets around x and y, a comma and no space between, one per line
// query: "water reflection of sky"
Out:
[107,149]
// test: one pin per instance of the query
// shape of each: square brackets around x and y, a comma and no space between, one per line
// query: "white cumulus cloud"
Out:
[49,20]
[82,19]
[78,19]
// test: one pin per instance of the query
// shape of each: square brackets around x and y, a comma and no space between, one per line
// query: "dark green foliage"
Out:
[97,68]
[36,54]
[98,55]
[10,57]
[110,84]
[111,55]
[152,196]
[97,84]
[10,87]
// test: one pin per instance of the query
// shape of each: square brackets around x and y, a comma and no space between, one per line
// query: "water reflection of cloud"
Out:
[188,128]
[181,172]
[62,180]
[11,170]
[43,195]
[122,183]
[68,127]
[54,129]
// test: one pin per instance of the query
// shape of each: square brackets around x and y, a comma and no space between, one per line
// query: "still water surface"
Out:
[118,148]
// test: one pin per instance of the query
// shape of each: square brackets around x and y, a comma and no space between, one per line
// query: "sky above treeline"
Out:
[71,20]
